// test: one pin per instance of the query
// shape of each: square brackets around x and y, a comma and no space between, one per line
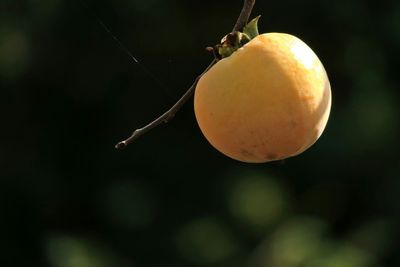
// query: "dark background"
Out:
[69,93]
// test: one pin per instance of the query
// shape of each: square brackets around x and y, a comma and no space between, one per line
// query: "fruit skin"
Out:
[268,101]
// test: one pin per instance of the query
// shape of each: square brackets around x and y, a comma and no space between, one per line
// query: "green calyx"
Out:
[234,40]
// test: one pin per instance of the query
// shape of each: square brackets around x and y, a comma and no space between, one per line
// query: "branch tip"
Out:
[120,145]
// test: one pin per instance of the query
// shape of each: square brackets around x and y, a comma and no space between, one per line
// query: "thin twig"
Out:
[244,15]
[169,114]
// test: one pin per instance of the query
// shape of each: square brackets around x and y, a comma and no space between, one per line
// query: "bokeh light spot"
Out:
[292,244]
[67,251]
[296,241]
[256,199]
[205,241]
[129,204]
[14,52]
[342,256]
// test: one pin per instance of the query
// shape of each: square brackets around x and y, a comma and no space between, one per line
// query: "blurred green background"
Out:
[68,94]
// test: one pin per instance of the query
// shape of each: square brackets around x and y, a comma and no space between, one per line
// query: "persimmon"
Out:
[267,98]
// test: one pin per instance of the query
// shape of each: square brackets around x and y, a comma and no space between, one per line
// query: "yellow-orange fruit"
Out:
[268,101]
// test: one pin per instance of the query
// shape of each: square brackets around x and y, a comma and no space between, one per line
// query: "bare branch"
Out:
[169,114]
[244,15]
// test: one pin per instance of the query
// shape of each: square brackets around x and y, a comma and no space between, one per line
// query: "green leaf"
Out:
[251,28]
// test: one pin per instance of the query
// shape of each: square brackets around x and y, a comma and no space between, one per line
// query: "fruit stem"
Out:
[169,114]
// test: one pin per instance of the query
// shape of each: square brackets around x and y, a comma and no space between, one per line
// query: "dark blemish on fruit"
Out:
[272,156]
[246,153]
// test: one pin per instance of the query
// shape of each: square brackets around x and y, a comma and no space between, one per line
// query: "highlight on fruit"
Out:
[267,98]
